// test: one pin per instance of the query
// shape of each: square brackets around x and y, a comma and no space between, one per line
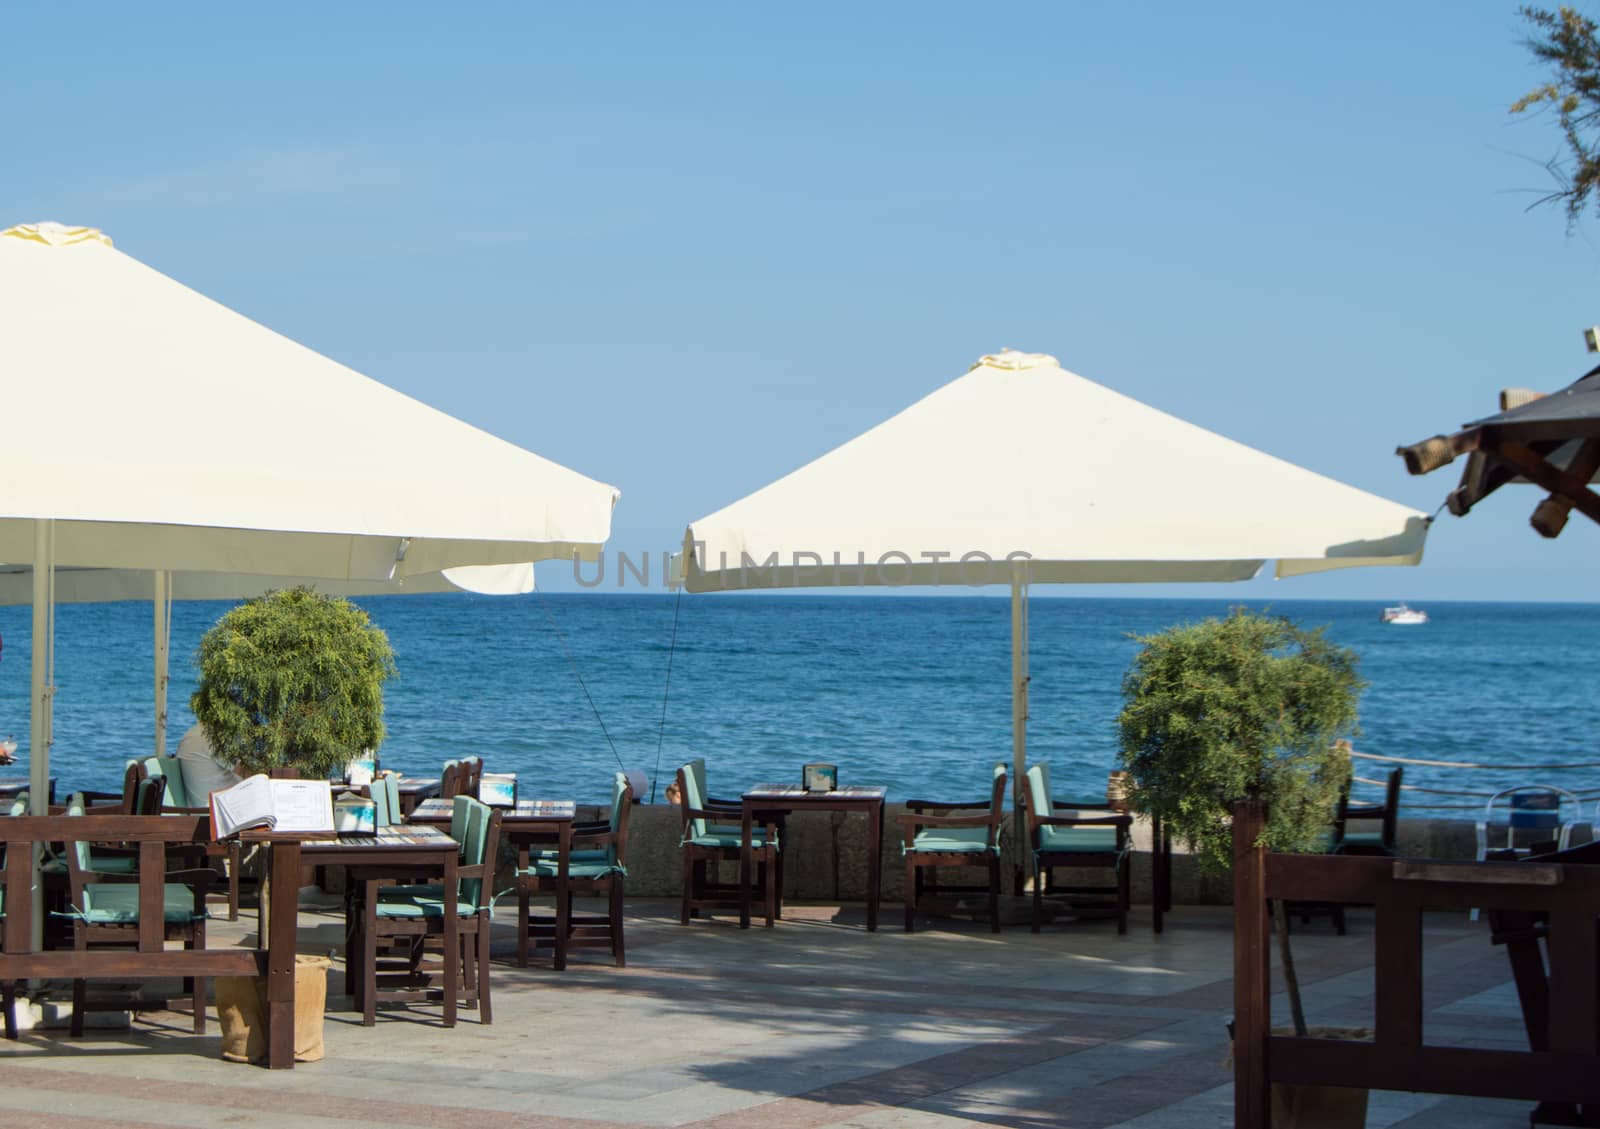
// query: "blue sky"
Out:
[686,247]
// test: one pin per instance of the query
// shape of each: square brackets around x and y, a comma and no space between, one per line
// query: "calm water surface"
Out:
[911,692]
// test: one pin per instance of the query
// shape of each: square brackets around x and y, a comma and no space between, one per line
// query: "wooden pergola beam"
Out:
[1566,486]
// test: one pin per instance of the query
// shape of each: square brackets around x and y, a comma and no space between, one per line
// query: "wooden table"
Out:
[414,790]
[785,798]
[405,849]
[529,822]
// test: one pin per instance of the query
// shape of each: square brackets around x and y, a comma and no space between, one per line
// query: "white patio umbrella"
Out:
[154,430]
[1022,472]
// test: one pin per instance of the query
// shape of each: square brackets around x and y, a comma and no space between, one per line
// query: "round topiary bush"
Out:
[1243,708]
[292,679]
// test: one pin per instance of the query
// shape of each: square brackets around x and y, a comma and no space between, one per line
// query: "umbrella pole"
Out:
[41,704]
[1019,714]
[163,626]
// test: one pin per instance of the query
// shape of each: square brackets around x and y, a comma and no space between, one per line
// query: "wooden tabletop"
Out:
[799,792]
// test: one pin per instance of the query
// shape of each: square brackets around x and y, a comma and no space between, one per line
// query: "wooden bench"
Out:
[20,958]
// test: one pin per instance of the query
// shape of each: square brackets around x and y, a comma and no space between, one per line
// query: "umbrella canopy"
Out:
[161,430]
[1022,461]
[1551,440]
[1022,472]
[155,431]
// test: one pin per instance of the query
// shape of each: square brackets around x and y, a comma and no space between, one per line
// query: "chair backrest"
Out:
[147,795]
[19,804]
[997,801]
[382,814]
[621,810]
[450,779]
[692,785]
[170,772]
[1529,813]
[79,862]
[1040,805]
[480,841]
[471,775]
[390,786]
[132,777]
[1389,812]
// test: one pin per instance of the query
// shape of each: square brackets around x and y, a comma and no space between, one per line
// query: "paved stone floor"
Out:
[813,1023]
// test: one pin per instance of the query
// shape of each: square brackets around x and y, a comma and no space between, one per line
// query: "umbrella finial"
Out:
[56,234]
[1013,361]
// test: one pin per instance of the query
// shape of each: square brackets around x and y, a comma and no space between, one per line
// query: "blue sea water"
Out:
[911,692]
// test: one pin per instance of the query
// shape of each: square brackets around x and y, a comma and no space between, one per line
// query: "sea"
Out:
[911,692]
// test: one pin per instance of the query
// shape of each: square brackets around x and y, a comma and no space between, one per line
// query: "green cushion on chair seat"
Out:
[572,856]
[1365,840]
[589,868]
[961,840]
[405,901]
[731,838]
[1082,840]
[118,904]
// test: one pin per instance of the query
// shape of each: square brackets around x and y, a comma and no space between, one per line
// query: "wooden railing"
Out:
[20,958]
[1398,1058]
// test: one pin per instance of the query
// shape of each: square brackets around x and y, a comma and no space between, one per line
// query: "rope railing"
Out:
[1581,793]
[1470,764]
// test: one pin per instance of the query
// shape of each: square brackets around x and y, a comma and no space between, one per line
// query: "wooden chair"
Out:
[106,907]
[933,835]
[176,800]
[713,835]
[596,864]
[460,778]
[1367,840]
[415,912]
[1061,834]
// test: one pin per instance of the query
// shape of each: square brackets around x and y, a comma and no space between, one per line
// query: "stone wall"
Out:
[825,855]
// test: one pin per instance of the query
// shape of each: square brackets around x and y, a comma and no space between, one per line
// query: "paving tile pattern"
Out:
[813,1023]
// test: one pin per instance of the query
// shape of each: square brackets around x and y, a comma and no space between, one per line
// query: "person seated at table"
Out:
[203,774]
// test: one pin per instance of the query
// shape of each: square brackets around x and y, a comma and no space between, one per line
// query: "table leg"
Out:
[874,863]
[745,864]
[284,869]
[524,856]
[563,897]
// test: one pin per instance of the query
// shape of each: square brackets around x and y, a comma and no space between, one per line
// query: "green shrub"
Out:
[1245,707]
[292,679]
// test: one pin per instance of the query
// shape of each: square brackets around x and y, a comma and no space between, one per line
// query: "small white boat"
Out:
[1404,616]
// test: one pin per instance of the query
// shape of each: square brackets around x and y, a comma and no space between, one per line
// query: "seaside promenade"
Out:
[812,1023]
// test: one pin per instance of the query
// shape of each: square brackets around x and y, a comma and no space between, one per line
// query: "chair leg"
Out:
[769,874]
[524,925]
[618,947]
[688,887]
[994,892]
[197,990]
[1038,896]
[485,1009]
[911,895]
[1122,895]
[8,997]
[369,959]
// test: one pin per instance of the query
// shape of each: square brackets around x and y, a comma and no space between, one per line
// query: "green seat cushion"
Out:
[730,838]
[1363,838]
[405,901]
[1084,840]
[118,904]
[588,869]
[961,840]
[572,856]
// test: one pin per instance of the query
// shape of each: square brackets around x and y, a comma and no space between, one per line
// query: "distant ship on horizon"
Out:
[1403,616]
